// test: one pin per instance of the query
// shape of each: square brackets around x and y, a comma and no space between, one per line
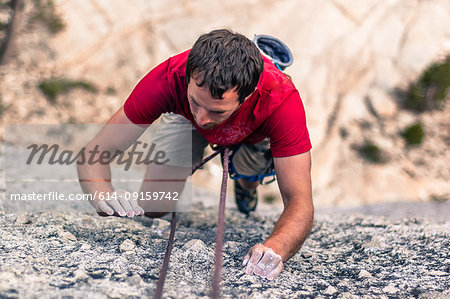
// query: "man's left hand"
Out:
[263,261]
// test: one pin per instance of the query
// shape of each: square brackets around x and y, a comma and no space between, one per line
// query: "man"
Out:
[232,95]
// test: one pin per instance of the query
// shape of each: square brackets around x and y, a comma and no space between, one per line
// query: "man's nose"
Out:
[202,117]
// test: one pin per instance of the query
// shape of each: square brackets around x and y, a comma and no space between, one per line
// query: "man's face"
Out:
[207,111]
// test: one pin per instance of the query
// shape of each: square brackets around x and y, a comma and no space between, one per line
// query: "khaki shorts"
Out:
[184,146]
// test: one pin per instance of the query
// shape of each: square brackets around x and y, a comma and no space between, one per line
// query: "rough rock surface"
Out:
[80,255]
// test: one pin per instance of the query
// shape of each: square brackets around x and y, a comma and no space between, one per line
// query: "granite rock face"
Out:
[86,256]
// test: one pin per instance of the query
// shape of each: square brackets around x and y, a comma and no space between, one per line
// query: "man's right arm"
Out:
[118,134]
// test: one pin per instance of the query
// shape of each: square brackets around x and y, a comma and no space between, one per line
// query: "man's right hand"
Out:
[120,204]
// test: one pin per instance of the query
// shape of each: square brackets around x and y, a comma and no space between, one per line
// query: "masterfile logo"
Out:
[53,154]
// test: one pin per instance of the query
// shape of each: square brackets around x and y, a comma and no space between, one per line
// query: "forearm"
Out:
[95,177]
[294,224]
[291,229]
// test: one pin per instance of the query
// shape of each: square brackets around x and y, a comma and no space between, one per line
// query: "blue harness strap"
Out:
[251,178]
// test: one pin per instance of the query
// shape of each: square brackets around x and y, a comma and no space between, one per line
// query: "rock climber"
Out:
[231,95]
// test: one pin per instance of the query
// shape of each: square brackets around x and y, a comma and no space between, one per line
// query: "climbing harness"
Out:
[235,175]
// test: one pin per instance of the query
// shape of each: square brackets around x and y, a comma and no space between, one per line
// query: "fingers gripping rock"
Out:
[263,261]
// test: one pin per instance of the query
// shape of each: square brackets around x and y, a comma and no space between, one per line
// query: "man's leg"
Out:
[183,147]
[164,179]
[248,185]
[251,160]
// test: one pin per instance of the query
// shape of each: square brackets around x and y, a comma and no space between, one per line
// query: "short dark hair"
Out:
[224,60]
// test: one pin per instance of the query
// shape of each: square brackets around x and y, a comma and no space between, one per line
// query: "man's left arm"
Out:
[294,224]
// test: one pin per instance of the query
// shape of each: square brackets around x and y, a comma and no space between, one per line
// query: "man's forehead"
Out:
[203,91]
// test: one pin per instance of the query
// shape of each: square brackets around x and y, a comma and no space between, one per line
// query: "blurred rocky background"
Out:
[373,76]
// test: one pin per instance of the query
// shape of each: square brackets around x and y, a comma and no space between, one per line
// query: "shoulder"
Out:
[274,88]
[273,81]
[177,63]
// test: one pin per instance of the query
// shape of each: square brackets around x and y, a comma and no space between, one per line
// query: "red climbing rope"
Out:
[165,265]
[218,256]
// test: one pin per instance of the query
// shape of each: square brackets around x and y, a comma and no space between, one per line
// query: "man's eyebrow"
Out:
[212,111]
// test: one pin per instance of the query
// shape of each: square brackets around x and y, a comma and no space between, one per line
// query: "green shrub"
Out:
[3,25]
[6,4]
[440,198]
[54,87]
[370,152]
[431,89]
[111,91]
[46,14]
[343,133]
[413,134]
[270,198]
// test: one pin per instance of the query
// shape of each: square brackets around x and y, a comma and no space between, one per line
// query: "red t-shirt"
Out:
[274,110]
